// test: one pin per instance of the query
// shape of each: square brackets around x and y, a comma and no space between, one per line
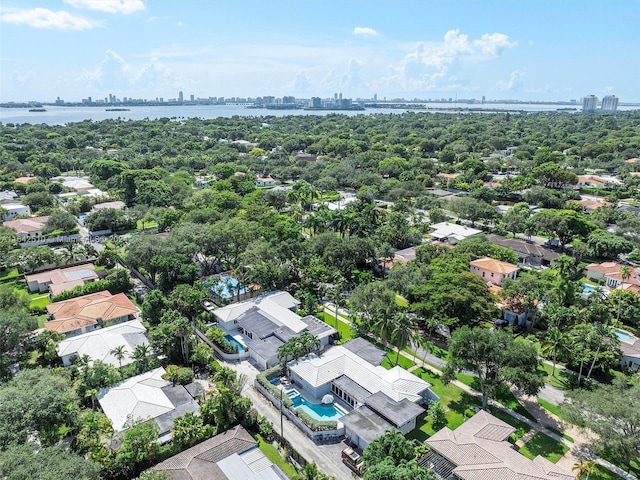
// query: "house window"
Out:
[492,274]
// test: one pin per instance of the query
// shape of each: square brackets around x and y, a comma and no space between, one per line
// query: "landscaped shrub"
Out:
[178,375]
[217,336]
[316,425]
[263,380]
[117,281]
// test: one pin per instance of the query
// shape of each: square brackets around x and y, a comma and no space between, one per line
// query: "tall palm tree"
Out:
[401,332]
[605,337]
[553,341]
[625,273]
[119,352]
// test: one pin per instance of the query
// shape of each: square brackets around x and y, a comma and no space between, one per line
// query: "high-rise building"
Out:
[180,97]
[609,103]
[589,103]
[192,97]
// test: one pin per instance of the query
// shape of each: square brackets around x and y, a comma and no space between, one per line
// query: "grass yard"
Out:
[503,396]
[458,405]
[273,454]
[42,319]
[561,380]
[39,303]
[9,274]
[344,329]
[390,360]
[545,446]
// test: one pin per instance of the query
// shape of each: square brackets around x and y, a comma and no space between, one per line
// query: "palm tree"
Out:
[140,354]
[585,467]
[119,352]
[401,332]
[383,325]
[553,340]
[625,273]
[311,472]
[605,337]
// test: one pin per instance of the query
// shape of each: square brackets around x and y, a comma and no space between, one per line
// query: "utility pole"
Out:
[281,421]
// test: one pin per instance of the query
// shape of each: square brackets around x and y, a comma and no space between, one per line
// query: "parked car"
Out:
[501,323]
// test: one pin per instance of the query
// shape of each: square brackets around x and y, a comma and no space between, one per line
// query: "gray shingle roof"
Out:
[253,320]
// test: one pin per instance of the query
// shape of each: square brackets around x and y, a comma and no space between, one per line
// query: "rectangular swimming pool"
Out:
[235,342]
[317,411]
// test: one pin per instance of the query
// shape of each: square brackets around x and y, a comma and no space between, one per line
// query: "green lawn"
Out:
[390,360]
[39,303]
[503,396]
[458,405]
[9,274]
[545,446]
[273,454]
[561,380]
[42,320]
[344,329]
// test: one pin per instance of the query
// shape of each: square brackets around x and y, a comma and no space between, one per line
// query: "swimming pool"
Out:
[315,410]
[586,288]
[235,342]
[624,336]
[224,286]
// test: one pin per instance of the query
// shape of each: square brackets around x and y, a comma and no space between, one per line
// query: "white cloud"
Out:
[152,19]
[45,18]
[494,44]
[118,75]
[531,42]
[179,24]
[513,84]
[436,65]
[109,6]
[302,82]
[370,32]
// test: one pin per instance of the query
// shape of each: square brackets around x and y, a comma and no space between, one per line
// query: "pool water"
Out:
[624,336]
[586,288]
[224,286]
[315,410]
[235,342]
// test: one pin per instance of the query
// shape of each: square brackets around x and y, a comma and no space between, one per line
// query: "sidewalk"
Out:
[575,449]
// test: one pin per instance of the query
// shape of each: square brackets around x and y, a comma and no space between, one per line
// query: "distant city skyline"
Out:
[538,50]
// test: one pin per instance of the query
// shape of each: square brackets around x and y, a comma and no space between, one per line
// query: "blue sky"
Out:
[530,50]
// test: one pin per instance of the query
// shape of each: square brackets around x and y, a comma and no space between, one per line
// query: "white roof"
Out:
[446,229]
[99,343]
[141,397]
[77,184]
[396,383]
[7,194]
[274,305]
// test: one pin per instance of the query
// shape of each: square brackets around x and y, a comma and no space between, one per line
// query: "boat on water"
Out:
[37,109]
[117,109]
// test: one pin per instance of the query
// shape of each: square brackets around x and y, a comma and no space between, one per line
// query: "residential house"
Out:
[99,344]
[591,206]
[7,195]
[451,233]
[147,397]
[307,157]
[230,455]
[27,228]
[528,253]
[379,399]
[89,312]
[590,181]
[13,209]
[265,182]
[24,180]
[492,270]
[610,273]
[116,205]
[61,279]
[478,449]
[630,346]
[266,322]
[75,184]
